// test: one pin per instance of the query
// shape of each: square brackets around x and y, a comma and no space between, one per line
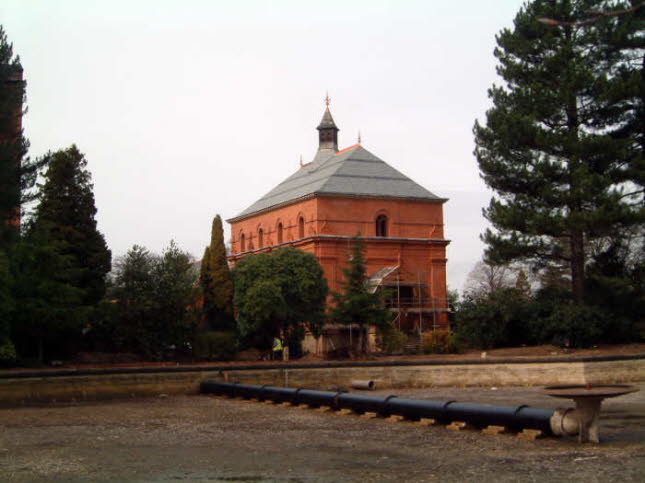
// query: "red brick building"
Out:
[11,131]
[338,194]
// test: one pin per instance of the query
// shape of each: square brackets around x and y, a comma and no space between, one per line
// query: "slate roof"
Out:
[352,171]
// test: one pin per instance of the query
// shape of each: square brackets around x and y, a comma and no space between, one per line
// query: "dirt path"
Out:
[200,438]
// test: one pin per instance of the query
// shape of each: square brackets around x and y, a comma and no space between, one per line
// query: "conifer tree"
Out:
[216,281]
[204,268]
[67,211]
[357,304]
[552,147]
[49,310]
[155,298]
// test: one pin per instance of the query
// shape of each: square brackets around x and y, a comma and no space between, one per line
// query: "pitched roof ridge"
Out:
[344,150]
[353,171]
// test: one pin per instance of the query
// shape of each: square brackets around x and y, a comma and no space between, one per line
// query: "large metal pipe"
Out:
[515,418]
[363,404]
[418,408]
[279,394]
[316,399]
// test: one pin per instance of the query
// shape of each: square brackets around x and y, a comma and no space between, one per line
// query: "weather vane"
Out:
[359,137]
[327,99]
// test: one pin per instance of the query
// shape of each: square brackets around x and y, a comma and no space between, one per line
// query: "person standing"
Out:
[277,349]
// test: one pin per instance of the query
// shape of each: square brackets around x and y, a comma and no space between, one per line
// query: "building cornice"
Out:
[334,195]
[316,238]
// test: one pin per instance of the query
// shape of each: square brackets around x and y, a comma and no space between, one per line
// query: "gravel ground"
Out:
[202,438]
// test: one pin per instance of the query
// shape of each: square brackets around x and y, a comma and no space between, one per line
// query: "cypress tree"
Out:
[204,269]
[550,148]
[67,210]
[216,281]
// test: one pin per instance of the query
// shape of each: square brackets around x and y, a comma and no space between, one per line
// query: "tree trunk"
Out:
[575,208]
[361,338]
[577,266]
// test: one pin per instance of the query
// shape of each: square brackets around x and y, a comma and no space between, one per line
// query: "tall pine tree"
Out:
[67,211]
[216,281]
[550,148]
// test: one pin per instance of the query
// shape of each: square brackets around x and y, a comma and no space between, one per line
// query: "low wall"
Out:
[64,387]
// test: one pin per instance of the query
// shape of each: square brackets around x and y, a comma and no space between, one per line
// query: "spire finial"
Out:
[327,99]
[301,160]
[359,136]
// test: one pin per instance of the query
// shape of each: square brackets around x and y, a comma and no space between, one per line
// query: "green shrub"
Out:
[391,339]
[498,320]
[8,354]
[439,342]
[215,346]
[575,325]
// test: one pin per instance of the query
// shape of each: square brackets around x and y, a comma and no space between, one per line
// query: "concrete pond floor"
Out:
[203,438]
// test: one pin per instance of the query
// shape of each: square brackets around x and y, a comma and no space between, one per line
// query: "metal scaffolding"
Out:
[410,298]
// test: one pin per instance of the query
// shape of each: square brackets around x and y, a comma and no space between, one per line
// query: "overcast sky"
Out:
[186,109]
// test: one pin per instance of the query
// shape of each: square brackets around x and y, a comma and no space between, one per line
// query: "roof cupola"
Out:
[327,131]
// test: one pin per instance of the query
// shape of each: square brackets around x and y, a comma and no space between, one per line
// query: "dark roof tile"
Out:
[353,171]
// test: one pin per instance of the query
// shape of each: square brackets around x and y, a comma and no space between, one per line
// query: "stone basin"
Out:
[603,391]
[583,420]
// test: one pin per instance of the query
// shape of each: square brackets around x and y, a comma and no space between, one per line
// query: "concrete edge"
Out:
[97,387]
[315,365]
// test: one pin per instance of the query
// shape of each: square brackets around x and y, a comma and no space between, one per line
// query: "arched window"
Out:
[381,225]
[279,232]
[260,238]
[301,227]
[242,243]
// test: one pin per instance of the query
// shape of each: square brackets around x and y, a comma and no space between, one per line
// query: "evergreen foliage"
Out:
[356,305]
[562,145]
[280,291]
[216,346]
[216,282]
[500,319]
[49,310]
[6,301]
[155,298]
[7,349]
[511,317]
[621,87]
[67,210]
[615,284]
